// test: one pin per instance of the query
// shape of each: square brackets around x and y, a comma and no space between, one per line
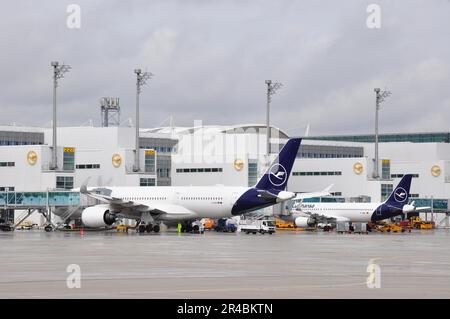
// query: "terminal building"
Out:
[220,155]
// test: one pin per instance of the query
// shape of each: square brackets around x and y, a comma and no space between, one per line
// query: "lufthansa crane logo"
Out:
[238,164]
[116,160]
[277,175]
[358,168]
[435,171]
[400,194]
[32,157]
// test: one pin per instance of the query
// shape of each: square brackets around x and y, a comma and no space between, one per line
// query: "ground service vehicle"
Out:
[259,226]
[225,225]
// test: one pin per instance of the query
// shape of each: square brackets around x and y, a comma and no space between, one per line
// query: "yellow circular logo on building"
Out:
[116,160]
[358,168]
[238,164]
[435,171]
[32,157]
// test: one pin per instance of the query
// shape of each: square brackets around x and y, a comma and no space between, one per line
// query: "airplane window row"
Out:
[199,170]
[145,198]
[316,173]
[201,198]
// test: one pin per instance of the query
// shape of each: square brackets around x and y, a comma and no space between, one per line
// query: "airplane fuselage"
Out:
[211,201]
[352,212]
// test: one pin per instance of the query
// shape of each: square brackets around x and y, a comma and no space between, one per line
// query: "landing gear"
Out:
[141,228]
[48,228]
[186,227]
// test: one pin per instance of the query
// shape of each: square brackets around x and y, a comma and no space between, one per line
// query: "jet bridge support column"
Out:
[47,216]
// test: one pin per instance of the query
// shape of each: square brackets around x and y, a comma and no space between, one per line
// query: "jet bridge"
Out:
[65,202]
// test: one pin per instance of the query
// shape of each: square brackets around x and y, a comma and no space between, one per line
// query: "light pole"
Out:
[380,96]
[141,79]
[272,88]
[58,73]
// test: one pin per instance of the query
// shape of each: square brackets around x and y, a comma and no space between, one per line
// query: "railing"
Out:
[252,216]
[445,222]
[66,215]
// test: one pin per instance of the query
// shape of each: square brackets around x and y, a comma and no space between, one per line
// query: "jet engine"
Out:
[97,216]
[304,222]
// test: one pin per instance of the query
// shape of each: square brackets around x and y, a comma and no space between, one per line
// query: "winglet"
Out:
[327,190]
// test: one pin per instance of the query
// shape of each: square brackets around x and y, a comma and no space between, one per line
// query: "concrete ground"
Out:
[33,264]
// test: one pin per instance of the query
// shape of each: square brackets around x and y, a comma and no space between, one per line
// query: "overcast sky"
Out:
[210,59]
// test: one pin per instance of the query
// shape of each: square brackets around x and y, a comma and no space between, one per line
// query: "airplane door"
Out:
[177,198]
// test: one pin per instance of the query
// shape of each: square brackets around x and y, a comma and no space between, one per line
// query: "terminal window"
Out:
[7,164]
[163,172]
[386,190]
[150,162]
[64,182]
[199,170]
[161,149]
[88,166]
[252,174]
[69,159]
[385,169]
[401,175]
[336,194]
[147,182]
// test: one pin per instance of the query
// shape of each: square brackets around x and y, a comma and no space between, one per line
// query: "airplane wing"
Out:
[169,212]
[325,192]
[130,208]
[327,217]
[114,201]
[281,196]
[410,208]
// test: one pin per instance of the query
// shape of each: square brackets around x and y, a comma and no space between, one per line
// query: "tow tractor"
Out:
[4,226]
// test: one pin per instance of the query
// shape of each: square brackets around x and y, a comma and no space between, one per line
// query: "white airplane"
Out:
[153,205]
[311,214]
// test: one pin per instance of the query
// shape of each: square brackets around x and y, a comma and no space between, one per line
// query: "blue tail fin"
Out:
[276,177]
[400,195]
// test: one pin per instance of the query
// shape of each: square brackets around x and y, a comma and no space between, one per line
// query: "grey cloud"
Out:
[210,60]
